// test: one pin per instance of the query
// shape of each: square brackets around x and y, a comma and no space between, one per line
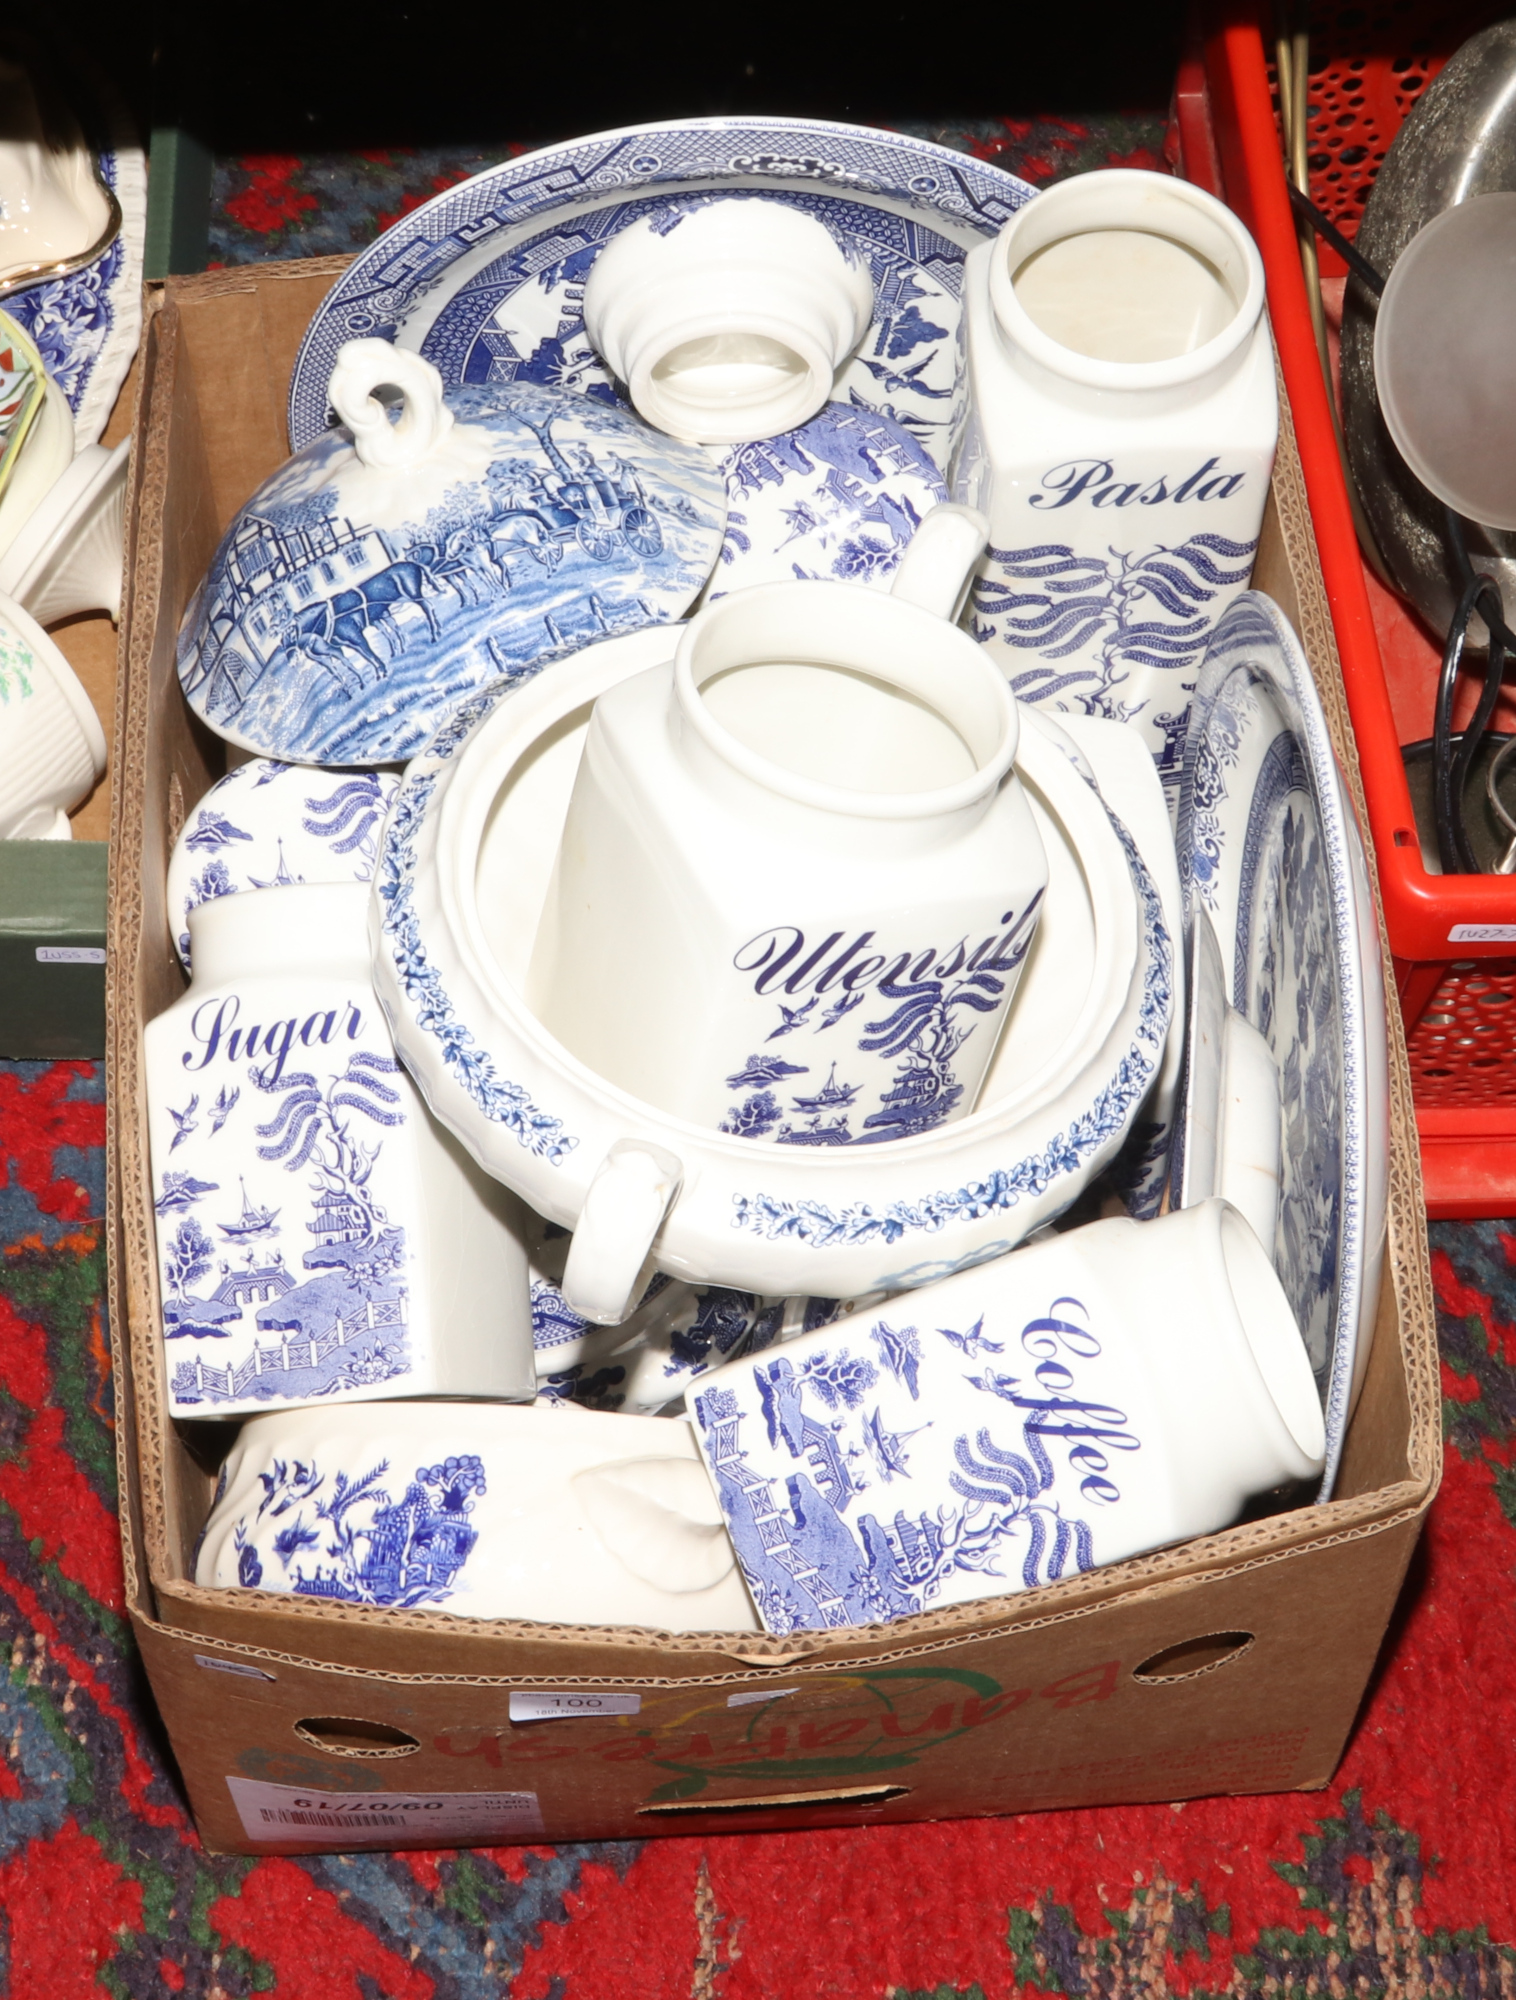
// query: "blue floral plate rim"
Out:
[1255,638]
[967,199]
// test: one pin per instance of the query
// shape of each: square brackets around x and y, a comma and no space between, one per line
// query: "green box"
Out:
[52,948]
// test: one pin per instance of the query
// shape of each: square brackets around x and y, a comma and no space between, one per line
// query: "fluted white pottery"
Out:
[1124,477]
[802,862]
[52,748]
[727,317]
[67,557]
[267,825]
[320,1236]
[1092,1396]
[559,1515]
[45,456]
[468,850]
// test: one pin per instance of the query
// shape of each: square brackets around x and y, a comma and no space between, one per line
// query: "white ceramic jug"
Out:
[1121,440]
[1097,1394]
[798,878]
[319,1235]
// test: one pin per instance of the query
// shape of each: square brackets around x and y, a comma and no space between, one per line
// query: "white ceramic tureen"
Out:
[464,869]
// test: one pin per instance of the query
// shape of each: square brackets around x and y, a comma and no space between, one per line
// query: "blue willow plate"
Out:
[487,280]
[1265,848]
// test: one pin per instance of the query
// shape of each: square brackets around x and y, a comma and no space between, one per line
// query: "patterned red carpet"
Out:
[1398,1880]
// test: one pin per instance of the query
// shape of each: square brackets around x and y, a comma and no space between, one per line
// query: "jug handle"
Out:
[610,1259]
[939,560]
[366,365]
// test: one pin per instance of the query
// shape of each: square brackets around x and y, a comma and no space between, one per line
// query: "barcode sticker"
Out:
[376,1819]
[551,1704]
[70,954]
[243,1667]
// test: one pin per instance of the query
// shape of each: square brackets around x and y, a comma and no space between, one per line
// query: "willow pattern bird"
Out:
[794,1017]
[185,1121]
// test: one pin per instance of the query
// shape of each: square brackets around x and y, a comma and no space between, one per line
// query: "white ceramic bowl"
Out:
[66,557]
[467,852]
[52,748]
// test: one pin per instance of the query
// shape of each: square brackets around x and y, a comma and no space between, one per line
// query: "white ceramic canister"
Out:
[319,1235]
[52,748]
[564,1515]
[798,877]
[1124,417]
[727,317]
[1092,1396]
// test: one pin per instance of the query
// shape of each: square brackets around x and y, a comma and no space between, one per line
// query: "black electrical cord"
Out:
[1452,755]
[1307,210]
[1479,597]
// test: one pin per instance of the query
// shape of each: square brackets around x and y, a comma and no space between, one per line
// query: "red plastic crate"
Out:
[1453,937]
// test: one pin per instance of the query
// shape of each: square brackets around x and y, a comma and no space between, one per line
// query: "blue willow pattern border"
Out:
[471,1067]
[815,1224]
[1331,808]
[1255,621]
[383,284]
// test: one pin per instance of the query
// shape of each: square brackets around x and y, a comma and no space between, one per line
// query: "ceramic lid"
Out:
[394,565]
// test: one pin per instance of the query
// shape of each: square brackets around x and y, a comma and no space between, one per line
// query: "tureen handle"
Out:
[364,366]
[939,559]
[611,1257]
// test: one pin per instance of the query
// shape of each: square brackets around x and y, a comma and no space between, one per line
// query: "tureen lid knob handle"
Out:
[366,366]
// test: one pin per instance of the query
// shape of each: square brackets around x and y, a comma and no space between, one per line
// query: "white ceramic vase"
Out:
[1121,439]
[798,877]
[57,210]
[1093,1396]
[319,1235]
[44,457]
[66,558]
[52,748]
[727,318]
[561,1515]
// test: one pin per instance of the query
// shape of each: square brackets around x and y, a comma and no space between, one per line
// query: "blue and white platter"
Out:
[1268,847]
[487,280]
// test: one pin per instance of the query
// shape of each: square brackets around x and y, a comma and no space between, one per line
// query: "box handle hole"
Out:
[1193,1656]
[351,1736]
[860,1795]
